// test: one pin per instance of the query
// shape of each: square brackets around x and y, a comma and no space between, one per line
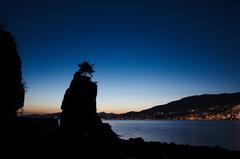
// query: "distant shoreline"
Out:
[57,117]
[169,120]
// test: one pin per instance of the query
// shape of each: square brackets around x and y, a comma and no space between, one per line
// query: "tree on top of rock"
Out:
[86,69]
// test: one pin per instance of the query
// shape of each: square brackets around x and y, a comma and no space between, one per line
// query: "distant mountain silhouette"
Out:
[197,102]
[193,103]
[12,88]
[79,118]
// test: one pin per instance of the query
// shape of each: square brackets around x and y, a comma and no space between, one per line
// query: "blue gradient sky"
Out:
[146,53]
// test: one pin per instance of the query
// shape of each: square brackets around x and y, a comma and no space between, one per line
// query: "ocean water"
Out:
[205,133]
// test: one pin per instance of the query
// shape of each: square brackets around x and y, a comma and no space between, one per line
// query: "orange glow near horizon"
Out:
[110,105]
[46,110]
[30,109]
[33,109]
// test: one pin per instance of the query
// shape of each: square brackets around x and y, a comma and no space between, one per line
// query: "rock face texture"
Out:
[79,117]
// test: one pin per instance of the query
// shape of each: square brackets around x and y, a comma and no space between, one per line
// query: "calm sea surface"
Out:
[209,133]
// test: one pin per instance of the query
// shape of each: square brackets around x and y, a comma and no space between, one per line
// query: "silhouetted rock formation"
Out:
[79,117]
[12,88]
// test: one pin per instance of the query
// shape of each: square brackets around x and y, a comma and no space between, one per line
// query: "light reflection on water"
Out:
[206,133]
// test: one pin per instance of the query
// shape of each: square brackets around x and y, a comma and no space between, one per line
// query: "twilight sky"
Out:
[145,52]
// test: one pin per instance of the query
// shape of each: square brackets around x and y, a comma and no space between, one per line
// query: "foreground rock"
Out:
[79,118]
[12,88]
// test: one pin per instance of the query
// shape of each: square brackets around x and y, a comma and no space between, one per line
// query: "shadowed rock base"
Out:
[53,146]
